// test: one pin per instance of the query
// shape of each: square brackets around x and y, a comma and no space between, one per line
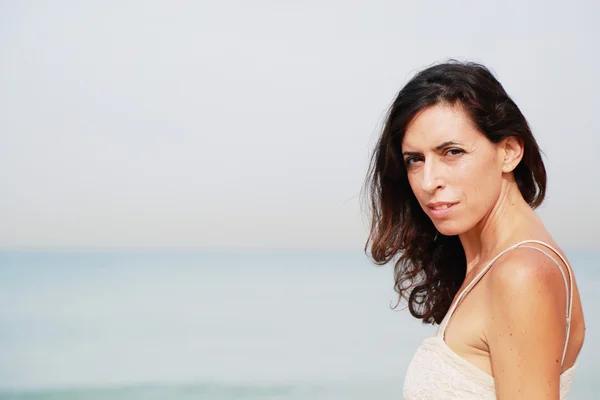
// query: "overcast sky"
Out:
[250,123]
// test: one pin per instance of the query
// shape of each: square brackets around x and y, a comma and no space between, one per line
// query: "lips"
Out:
[441,209]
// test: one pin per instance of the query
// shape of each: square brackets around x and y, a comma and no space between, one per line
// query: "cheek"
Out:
[482,183]
[412,182]
[415,185]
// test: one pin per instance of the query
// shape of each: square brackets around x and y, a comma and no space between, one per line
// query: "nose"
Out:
[431,179]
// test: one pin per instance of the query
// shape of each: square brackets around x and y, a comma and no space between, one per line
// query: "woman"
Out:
[454,181]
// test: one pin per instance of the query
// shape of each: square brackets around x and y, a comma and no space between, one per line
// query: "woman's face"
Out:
[454,171]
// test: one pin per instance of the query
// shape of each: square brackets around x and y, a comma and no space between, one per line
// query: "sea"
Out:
[221,325]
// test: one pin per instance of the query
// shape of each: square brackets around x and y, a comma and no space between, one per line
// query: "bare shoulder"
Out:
[527,323]
[527,272]
[527,287]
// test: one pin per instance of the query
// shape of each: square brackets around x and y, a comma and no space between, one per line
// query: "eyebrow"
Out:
[436,148]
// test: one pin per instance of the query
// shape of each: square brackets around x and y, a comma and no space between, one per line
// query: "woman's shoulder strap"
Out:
[568,284]
[474,281]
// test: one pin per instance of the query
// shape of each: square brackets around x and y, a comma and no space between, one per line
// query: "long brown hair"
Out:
[430,267]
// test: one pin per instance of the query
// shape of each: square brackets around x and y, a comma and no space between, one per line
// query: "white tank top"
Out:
[436,372]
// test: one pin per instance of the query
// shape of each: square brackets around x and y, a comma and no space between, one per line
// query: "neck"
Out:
[500,226]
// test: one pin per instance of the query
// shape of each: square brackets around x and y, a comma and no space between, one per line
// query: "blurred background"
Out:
[180,210]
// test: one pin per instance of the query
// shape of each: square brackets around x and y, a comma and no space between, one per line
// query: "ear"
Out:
[513,149]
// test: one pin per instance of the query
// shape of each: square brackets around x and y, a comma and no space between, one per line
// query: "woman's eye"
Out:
[455,152]
[410,161]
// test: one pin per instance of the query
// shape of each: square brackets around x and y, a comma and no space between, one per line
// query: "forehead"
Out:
[438,124]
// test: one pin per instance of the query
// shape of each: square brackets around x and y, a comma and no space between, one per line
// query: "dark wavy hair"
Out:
[430,267]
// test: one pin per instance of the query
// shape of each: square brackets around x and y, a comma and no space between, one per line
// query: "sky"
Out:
[250,124]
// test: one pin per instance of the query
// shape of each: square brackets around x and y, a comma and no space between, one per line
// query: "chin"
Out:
[450,228]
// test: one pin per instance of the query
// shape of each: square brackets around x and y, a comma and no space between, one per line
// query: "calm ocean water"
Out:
[280,325]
